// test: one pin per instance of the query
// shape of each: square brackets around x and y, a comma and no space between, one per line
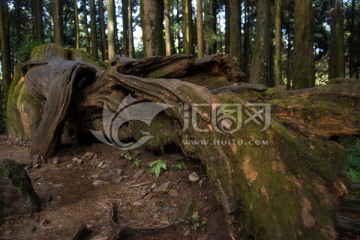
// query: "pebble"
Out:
[69,165]
[194,177]
[76,160]
[100,164]
[36,165]
[119,172]
[163,187]
[98,183]
[137,203]
[55,161]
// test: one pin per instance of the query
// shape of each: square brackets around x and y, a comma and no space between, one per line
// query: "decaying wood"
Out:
[240,87]
[279,190]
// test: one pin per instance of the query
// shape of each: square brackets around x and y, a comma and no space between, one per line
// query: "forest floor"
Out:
[99,189]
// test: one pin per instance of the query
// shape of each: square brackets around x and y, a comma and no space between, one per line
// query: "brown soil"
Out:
[125,201]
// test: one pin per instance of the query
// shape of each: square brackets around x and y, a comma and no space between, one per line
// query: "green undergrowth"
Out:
[352,163]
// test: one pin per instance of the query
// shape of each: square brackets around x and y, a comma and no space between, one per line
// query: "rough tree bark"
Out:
[199,28]
[235,30]
[167,28]
[125,13]
[153,28]
[86,26]
[188,28]
[76,25]
[38,22]
[303,63]
[131,35]
[111,28]
[278,44]
[5,48]
[259,69]
[337,42]
[267,191]
[94,40]
[104,49]
[57,7]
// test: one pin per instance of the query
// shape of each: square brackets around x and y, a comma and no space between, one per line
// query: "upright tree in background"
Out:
[94,41]
[76,23]
[303,66]
[124,14]
[5,48]
[153,27]
[86,26]
[337,43]
[278,44]
[110,4]
[235,30]
[259,69]
[130,27]
[209,23]
[353,49]
[102,29]
[247,41]
[37,14]
[167,28]
[199,28]
[57,7]
[188,28]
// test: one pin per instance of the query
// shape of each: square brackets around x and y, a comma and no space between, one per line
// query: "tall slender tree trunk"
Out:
[18,22]
[235,30]
[289,57]
[227,26]
[111,28]
[188,28]
[352,50]
[102,29]
[178,22]
[153,28]
[167,28]
[278,44]
[303,71]
[94,41]
[247,44]
[39,25]
[131,34]
[57,7]
[5,47]
[124,13]
[337,44]
[259,69]
[199,29]
[76,27]
[86,26]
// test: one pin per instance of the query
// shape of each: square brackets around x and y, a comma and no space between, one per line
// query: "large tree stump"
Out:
[286,188]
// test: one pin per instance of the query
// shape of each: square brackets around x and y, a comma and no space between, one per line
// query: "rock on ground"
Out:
[17,195]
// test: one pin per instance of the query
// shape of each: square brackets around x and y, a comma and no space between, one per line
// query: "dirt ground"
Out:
[101,189]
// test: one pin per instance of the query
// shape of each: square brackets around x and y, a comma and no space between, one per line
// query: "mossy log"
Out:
[285,189]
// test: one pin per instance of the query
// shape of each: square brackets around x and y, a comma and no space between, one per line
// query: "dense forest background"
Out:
[298,44]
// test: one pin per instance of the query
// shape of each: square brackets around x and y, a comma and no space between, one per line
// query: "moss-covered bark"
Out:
[287,187]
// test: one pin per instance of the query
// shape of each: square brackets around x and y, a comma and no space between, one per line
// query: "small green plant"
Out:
[138,163]
[198,224]
[180,166]
[126,155]
[156,167]
[201,182]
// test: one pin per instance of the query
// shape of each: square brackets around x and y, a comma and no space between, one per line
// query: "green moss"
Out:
[47,51]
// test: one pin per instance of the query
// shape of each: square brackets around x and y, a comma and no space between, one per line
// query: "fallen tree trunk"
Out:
[287,186]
